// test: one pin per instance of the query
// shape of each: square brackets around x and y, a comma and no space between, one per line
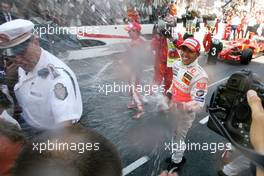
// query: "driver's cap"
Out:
[192,44]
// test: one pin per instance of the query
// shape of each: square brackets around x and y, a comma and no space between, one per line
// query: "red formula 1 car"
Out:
[242,50]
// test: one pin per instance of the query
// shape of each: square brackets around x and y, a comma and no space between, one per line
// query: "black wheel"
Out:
[246,56]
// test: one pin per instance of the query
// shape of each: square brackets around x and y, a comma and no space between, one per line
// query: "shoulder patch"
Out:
[187,78]
[200,93]
[201,86]
[60,91]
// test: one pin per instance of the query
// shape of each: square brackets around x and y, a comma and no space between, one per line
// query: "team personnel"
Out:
[212,47]
[166,53]
[186,95]
[207,40]
[133,65]
[173,9]
[47,89]
[160,48]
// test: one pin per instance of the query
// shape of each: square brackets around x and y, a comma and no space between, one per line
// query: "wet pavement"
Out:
[108,114]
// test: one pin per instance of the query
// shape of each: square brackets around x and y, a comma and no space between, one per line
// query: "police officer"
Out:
[47,89]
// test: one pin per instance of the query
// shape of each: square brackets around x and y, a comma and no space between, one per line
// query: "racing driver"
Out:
[185,97]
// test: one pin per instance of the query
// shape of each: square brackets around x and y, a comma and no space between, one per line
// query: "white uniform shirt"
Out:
[236,20]
[50,94]
[252,21]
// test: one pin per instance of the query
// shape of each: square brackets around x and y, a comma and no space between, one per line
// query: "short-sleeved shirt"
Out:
[50,94]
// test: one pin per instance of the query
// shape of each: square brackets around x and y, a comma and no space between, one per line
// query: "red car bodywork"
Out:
[233,49]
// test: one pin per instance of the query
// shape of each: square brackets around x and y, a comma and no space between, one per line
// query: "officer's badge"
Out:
[60,91]
[201,86]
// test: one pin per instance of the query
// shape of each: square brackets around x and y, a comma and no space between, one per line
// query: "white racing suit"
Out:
[188,90]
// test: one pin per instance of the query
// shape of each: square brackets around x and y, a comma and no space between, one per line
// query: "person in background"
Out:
[241,26]
[165,50]
[93,154]
[6,14]
[235,22]
[35,9]
[12,141]
[260,30]
[173,9]
[250,24]
[151,12]
[132,65]
[133,15]
[5,104]
[185,15]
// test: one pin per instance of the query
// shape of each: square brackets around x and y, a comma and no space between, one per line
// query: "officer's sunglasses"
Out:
[16,50]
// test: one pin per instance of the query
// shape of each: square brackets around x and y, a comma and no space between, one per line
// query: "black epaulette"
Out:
[44,73]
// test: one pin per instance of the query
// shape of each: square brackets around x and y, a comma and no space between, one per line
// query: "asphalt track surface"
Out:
[141,143]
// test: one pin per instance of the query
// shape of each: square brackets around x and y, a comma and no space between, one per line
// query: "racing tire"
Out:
[246,56]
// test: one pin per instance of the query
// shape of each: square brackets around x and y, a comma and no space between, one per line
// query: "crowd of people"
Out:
[41,104]
[63,12]
[243,24]
[150,13]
